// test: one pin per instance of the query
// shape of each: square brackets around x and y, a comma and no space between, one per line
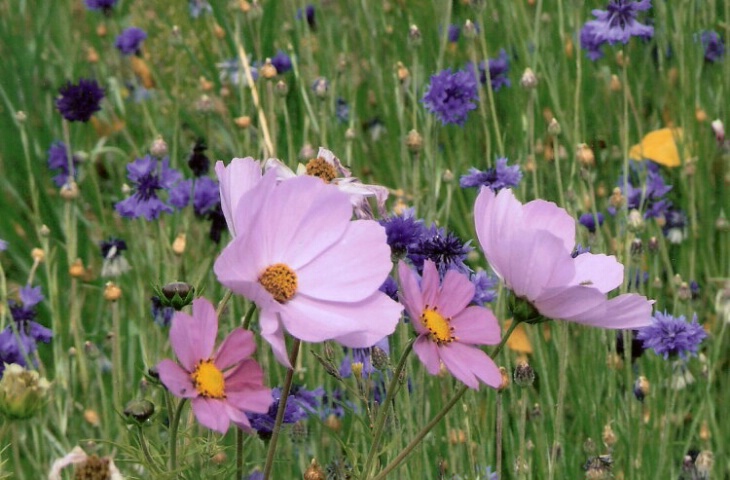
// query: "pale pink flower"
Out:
[330,169]
[78,458]
[223,385]
[530,248]
[240,176]
[448,328]
[309,268]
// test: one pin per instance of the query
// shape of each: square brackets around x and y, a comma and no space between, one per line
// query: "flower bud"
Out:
[22,392]
[38,255]
[554,127]
[77,269]
[528,81]
[268,70]
[69,190]
[314,471]
[178,245]
[243,122]
[112,292]
[523,375]
[159,147]
[176,295]
[138,411]
[414,141]
[414,36]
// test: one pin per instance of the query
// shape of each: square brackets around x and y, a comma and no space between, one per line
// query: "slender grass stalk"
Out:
[564,349]
[282,408]
[174,427]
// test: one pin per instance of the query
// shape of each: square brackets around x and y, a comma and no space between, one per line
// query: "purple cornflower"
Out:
[17,344]
[403,231]
[58,160]
[299,405]
[497,178]
[443,248]
[390,288]
[130,41]
[342,110]
[616,24]
[103,5]
[149,176]
[485,286]
[713,45]
[454,33]
[179,195]
[161,314]
[649,199]
[114,262]
[77,103]
[498,70]
[281,62]
[590,221]
[451,96]
[668,335]
[206,195]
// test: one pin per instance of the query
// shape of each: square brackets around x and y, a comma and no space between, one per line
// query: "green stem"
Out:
[239,453]
[383,410]
[223,302]
[249,316]
[282,408]
[173,433]
[562,386]
[146,451]
[449,405]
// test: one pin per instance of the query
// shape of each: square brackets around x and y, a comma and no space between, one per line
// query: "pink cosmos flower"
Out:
[221,386]
[240,176]
[449,330]
[529,247]
[309,268]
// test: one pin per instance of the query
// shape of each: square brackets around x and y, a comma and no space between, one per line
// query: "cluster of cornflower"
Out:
[19,340]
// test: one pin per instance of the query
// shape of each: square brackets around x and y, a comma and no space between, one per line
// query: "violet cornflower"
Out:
[443,248]
[281,62]
[616,24]
[300,404]
[77,103]
[713,45]
[498,69]
[58,160]
[590,221]
[18,344]
[129,42]
[403,231]
[453,33]
[649,198]
[206,195]
[149,176]
[451,96]
[103,5]
[497,178]
[670,336]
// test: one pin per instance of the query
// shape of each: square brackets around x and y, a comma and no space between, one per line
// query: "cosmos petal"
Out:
[428,353]
[176,380]
[211,413]
[239,344]
[193,338]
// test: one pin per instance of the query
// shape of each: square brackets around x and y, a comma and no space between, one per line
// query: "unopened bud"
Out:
[718,128]
[615,84]
[243,122]
[608,436]
[470,30]
[44,231]
[37,254]
[380,358]
[414,36]
[554,127]
[281,88]
[112,292]
[178,245]
[585,155]
[447,176]
[314,471]
[139,410]
[77,269]
[528,80]
[22,392]
[20,116]
[402,72]
[414,141]
[268,70]
[636,221]
[523,375]
[159,147]
[700,115]
[505,379]
[69,190]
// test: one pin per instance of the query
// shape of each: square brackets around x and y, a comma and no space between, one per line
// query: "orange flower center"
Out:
[208,380]
[439,326]
[280,281]
[318,167]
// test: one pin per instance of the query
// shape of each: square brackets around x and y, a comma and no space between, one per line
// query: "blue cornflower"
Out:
[451,96]
[179,195]
[444,248]
[130,40]
[206,195]
[616,24]
[485,287]
[298,407]
[18,347]
[403,231]
[590,221]
[649,199]
[672,336]
[149,176]
[58,160]
[390,288]
[114,262]
[498,70]
[103,5]
[497,178]
[199,7]
[580,250]
[282,62]
[454,33]
[77,103]
[713,45]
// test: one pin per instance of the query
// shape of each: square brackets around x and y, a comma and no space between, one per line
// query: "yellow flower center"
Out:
[318,167]
[439,326]
[280,281]
[208,380]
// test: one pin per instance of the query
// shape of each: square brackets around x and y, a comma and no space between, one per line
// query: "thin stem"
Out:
[282,408]
[500,419]
[383,410]
[562,385]
[117,357]
[222,304]
[239,453]
[146,451]
[249,316]
[449,405]
[173,433]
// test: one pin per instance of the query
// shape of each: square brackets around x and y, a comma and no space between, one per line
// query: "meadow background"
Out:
[371,117]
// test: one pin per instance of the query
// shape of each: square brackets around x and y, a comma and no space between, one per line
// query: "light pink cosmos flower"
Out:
[240,176]
[529,247]
[330,169]
[309,268]
[221,386]
[449,330]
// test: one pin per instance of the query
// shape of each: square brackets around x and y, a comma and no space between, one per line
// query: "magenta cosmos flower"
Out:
[530,248]
[309,268]
[221,386]
[449,330]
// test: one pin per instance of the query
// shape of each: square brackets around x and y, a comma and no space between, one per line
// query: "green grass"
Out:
[357,46]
